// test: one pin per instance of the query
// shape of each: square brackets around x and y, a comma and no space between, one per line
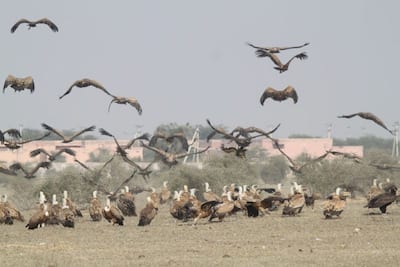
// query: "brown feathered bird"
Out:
[126,202]
[288,92]
[19,84]
[368,116]
[30,173]
[127,100]
[180,137]
[279,65]
[85,83]
[112,214]
[95,208]
[39,218]
[67,139]
[382,201]
[148,213]
[274,49]
[16,144]
[33,24]
[52,156]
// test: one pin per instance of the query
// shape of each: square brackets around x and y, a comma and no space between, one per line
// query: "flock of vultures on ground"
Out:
[184,205]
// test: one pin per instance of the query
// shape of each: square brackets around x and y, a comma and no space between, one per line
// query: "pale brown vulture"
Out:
[127,100]
[85,83]
[30,173]
[67,139]
[52,156]
[368,116]
[279,65]
[288,92]
[274,49]
[19,84]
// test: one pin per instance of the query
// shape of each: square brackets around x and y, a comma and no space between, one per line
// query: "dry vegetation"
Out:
[356,239]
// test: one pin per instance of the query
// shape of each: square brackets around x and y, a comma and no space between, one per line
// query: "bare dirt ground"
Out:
[356,239]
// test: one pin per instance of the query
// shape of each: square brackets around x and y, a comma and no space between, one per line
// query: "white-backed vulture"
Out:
[165,194]
[112,214]
[33,24]
[95,208]
[38,219]
[148,213]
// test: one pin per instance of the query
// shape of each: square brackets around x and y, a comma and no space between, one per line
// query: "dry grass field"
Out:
[356,239]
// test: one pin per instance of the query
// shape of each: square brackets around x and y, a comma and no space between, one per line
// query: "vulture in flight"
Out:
[368,116]
[29,173]
[19,84]
[85,83]
[126,100]
[288,92]
[274,49]
[67,139]
[52,156]
[33,24]
[279,65]
[16,143]
[180,137]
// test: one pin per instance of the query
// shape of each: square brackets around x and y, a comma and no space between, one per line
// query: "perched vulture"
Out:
[126,202]
[95,208]
[85,83]
[112,214]
[288,92]
[148,213]
[368,116]
[383,200]
[32,24]
[274,49]
[38,218]
[67,139]
[19,84]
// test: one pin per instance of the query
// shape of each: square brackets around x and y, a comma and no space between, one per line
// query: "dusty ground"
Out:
[273,240]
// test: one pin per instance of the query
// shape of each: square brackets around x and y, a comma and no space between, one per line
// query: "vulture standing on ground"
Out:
[72,206]
[33,24]
[85,83]
[383,200]
[126,202]
[95,208]
[14,213]
[19,84]
[288,92]
[274,49]
[148,213]
[38,219]
[67,139]
[335,204]
[165,194]
[368,116]
[112,214]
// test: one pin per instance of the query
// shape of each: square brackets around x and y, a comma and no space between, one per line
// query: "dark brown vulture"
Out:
[95,208]
[148,213]
[33,24]
[180,137]
[19,84]
[85,83]
[274,49]
[240,152]
[288,92]
[52,156]
[383,200]
[67,139]
[368,116]
[279,65]
[15,143]
[112,214]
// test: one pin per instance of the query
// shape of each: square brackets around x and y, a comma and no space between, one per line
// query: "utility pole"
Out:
[395,148]
[330,130]
[194,147]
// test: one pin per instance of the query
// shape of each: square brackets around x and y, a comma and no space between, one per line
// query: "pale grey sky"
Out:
[186,61]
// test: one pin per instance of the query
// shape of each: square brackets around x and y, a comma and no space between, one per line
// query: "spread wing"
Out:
[36,152]
[291,92]
[15,26]
[89,129]
[370,116]
[348,116]
[51,129]
[144,136]
[29,83]
[120,151]
[15,133]
[49,23]
[269,92]
[283,153]
[182,139]
[85,83]
[82,164]
[182,155]
[134,103]
[65,150]
[292,47]
[157,150]
[218,130]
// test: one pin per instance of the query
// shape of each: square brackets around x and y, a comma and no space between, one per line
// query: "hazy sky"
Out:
[186,61]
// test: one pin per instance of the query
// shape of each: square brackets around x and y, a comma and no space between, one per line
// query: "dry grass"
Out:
[273,240]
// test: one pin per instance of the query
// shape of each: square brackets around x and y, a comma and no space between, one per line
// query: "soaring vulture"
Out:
[85,83]
[279,65]
[16,144]
[19,84]
[30,173]
[288,92]
[180,137]
[368,116]
[127,100]
[32,24]
[67,139]
[274,49]
[239,151]
[52,156]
